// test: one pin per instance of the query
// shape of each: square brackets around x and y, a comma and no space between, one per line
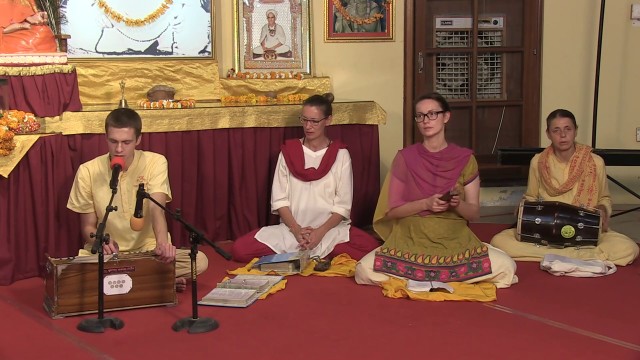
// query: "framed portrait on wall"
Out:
[273,35]
[150,28]
[358,20]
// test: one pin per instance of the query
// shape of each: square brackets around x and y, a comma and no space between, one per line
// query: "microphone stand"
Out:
[194,324]
[98,325]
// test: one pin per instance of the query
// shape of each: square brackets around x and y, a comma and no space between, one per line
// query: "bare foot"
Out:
[16,27]
[38,18]
[181,284]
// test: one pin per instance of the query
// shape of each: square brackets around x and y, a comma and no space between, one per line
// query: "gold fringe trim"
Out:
[36,70]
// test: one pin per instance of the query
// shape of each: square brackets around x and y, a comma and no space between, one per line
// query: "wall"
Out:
[570,41]
[359,71]
[373,71]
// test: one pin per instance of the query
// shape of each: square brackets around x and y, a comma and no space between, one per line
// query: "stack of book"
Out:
[241,291]
[287,263]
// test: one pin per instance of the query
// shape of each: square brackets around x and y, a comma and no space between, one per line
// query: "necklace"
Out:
[304,139]
[436,149]
[118,17]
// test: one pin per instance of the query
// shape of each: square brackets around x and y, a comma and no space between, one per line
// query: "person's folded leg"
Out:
[246,248]
[360,244]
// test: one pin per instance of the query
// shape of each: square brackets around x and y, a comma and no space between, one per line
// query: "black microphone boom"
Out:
[115,173]
[140,195]
[137,221]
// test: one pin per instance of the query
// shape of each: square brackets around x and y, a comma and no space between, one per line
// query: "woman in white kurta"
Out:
[311,203]
[312,193]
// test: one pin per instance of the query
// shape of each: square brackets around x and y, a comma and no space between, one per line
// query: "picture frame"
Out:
[358,20]
[120,29]
[272,35]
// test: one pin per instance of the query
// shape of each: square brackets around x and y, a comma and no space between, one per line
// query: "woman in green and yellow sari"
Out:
[425,232]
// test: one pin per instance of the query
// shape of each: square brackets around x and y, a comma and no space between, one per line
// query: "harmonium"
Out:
[131,280]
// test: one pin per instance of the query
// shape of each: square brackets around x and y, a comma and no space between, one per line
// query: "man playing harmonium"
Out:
[92,189]
[568,173]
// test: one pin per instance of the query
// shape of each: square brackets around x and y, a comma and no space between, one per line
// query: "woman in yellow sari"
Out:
[568,172]
[426,234]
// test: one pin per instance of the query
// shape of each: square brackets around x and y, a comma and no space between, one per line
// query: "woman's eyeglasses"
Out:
[431,115]
[313,122]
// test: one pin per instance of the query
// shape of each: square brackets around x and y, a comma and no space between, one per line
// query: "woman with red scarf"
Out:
[425,230]
[568,172]
[312,193]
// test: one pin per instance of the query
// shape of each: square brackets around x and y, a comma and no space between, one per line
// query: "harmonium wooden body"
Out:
[131,280]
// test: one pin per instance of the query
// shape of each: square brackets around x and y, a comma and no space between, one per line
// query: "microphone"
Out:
[117,163]
[137,221]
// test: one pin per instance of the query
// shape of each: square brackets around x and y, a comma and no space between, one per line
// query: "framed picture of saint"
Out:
[150,28]
[358,20]
[272,35]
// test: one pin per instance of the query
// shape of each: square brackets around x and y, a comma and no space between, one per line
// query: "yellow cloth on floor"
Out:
[483,291]
[341,265]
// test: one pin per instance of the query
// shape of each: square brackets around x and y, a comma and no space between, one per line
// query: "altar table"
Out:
[221,165]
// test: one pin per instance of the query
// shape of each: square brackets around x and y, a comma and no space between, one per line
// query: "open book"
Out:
[286,263]
[241,291]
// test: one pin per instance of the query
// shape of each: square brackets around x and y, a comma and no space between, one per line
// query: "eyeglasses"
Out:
[313,122]
[558,131]
[431,115]
[271,17]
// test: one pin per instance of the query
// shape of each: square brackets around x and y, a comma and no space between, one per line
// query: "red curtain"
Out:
[220,179]
[45,95]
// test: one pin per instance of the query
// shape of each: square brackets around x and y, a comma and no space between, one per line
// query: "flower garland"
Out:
[360,21]
[118,17]
[167,104]
[15,122]
[271,75]
[262,99]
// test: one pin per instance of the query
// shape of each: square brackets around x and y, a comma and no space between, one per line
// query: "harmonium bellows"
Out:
[131,280]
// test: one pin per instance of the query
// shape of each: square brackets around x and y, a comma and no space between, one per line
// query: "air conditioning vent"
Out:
[453,70]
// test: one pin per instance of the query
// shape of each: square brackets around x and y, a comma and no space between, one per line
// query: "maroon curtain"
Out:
[220,179]
[45,95]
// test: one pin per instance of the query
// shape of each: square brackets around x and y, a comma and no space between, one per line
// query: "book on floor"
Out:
[427,286]
[286,263]
[241,291]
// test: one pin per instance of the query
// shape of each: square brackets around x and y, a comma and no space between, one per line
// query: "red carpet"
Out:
[333,318]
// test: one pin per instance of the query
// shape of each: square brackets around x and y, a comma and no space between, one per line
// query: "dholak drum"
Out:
[557,224]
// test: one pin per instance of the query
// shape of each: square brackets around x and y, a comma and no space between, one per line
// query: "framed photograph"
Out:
[358,20]
[273,35]
[150,28]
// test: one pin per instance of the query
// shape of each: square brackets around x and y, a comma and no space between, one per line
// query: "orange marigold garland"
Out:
[15,122]
[167,104]
[118,17]
[263,100]
[270,75]
[360,21]
[6,141]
